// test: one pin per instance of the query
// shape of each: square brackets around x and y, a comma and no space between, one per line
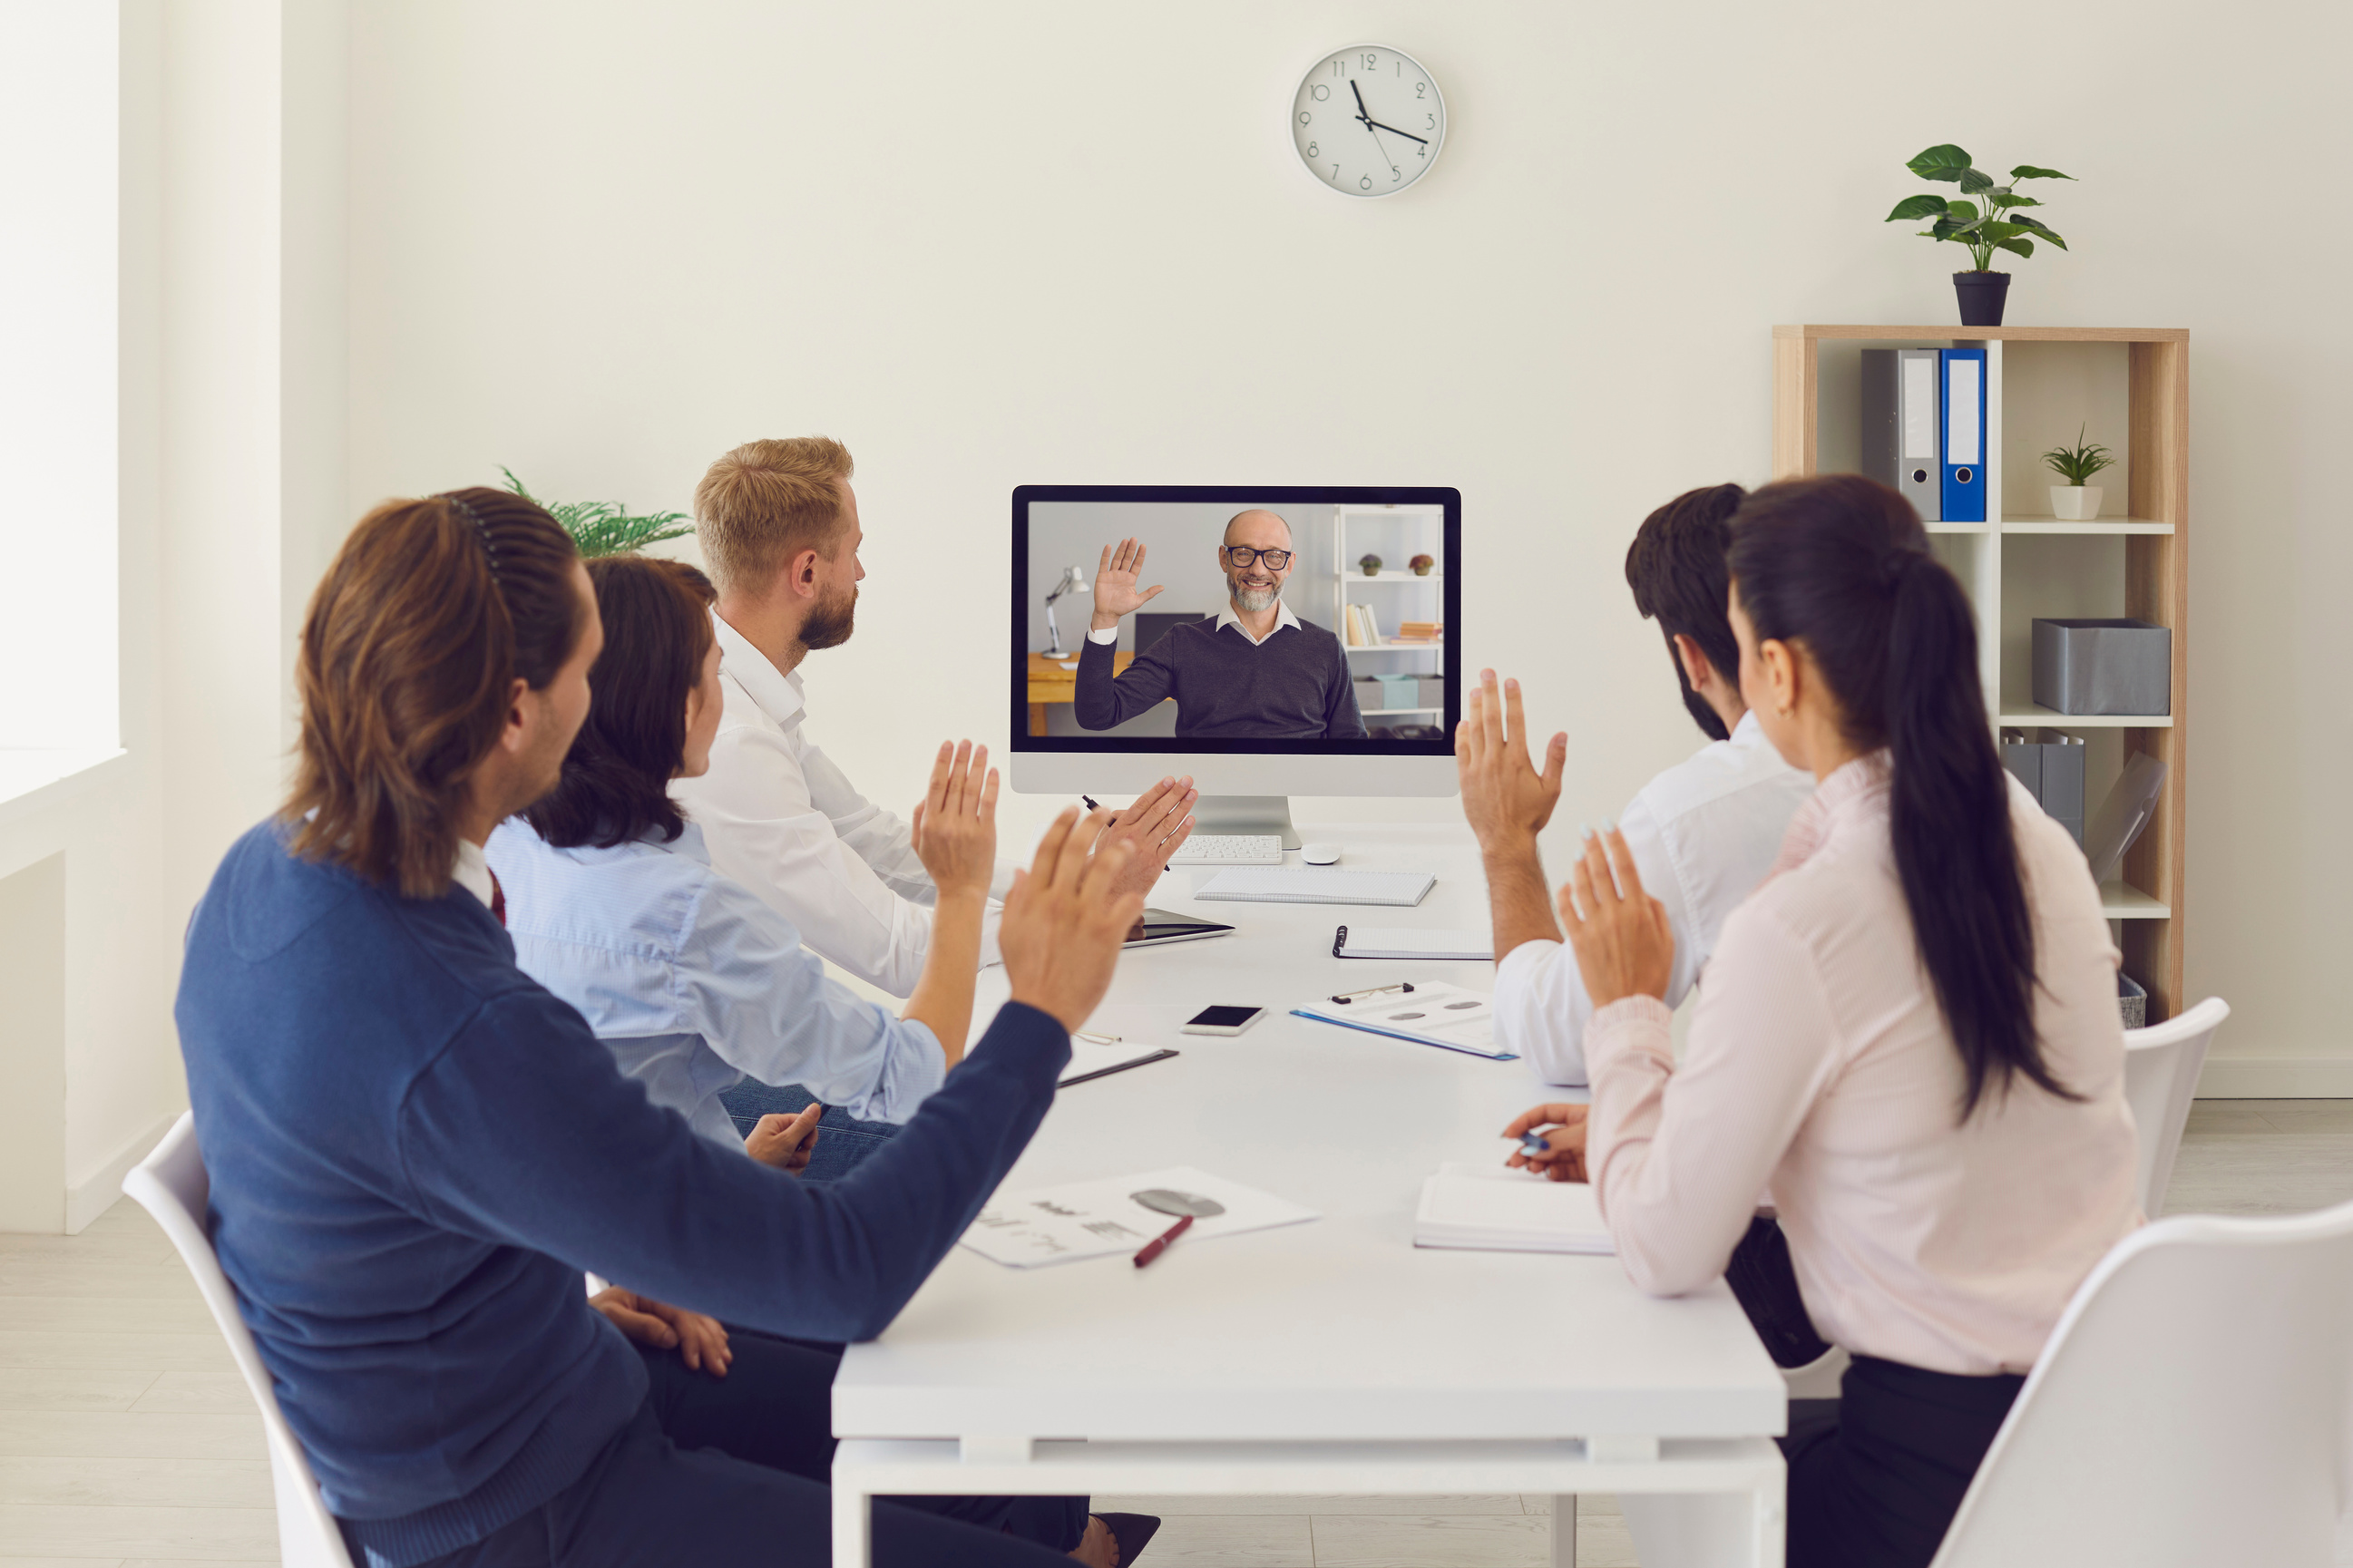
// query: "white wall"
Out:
[228,464]
[1061,242]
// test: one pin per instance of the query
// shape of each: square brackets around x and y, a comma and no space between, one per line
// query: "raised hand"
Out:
[955,829]
[1066,918]
[1624,943]
[1156,824]
[1115,592]
[1506,799]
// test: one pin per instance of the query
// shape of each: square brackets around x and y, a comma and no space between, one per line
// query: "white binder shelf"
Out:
[2129,388]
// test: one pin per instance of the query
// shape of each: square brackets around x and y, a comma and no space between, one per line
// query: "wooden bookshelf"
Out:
[2129,388]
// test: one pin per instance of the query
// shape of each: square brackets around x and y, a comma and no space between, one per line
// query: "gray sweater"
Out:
[1293,687]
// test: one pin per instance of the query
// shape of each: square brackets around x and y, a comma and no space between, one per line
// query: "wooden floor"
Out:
[125,1438]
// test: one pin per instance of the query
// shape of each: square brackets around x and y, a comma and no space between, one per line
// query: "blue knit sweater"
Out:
[415,1150]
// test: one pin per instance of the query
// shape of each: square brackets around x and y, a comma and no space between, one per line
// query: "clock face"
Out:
[1367,122]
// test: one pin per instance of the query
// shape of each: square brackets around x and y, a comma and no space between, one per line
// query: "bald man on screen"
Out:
[1256,672]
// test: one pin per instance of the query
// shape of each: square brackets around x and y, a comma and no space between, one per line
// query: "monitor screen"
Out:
[1270,621]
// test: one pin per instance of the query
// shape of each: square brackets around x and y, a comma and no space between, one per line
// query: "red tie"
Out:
[498,900]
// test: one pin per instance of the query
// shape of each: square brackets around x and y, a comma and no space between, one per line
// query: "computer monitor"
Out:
[1352,690]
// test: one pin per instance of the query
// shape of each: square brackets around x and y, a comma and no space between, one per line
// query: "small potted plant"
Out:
[1998,226]
[2076,501]
[1372,565]
[1421,565]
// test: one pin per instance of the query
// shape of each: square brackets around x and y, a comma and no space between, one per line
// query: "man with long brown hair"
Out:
[415,1152]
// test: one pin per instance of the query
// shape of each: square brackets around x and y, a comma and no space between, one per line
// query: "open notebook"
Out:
[1493,1209]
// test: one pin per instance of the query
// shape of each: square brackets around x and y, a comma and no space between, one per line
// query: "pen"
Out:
[1098,1039]
[1535,1144]
[1092,804]
[1160,1244]
[1347,996]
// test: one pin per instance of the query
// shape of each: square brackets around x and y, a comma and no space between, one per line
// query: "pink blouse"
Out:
[1819,1070]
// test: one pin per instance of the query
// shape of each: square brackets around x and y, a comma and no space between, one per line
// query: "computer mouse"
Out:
[1320,854]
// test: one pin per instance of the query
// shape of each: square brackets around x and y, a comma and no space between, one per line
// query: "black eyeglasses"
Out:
[1243,556]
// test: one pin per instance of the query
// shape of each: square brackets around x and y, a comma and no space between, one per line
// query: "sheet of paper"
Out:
[1100,1218]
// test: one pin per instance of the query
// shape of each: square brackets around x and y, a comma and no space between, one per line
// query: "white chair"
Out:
[171,1184]
[2161,1067]
[2190,1409]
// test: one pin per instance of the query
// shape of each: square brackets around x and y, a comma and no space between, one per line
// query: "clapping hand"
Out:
[955,829]
[1506,799]
[1115,592]
[1065,919]
[1156,825]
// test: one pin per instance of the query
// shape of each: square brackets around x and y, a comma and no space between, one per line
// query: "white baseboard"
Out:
[98,1192]
[2276,1078]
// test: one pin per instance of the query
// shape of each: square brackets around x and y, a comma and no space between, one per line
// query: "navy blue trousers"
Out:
[733,1471]
[1876,1475]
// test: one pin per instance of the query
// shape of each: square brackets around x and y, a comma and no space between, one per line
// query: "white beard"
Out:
[1255,599]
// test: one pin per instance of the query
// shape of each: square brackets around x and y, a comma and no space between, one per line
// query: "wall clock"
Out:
[1368,121]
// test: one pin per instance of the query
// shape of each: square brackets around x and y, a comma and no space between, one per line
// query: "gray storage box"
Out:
[2103,667]
[1370,696]
[2132,1001]
[1433,691]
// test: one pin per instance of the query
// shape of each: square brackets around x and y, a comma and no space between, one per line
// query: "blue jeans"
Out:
[842,1140]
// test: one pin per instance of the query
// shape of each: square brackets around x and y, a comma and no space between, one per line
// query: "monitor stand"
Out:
[1246,813]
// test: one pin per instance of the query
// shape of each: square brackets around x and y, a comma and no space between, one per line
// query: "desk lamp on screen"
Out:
[1269,640]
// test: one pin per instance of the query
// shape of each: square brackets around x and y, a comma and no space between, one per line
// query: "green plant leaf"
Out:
[1962,212]
[2022,246]
[2039,230]
[1943,229]
[1973,179]
[2029,172]
[1917,208]
[1997,231]
[2018,202]
[603,528]
[1944,162]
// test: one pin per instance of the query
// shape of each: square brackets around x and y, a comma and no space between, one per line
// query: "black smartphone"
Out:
[1222,1020]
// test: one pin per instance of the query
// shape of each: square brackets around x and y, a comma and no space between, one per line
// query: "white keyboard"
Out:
[1229,849]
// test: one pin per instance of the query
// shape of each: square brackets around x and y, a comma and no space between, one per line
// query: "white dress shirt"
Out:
[694,984]
[1229,617]
[780,818]
[1703,834]
[1819,1068]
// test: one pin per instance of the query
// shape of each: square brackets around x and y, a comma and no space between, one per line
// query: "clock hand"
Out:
[1394,131]
[1364,115]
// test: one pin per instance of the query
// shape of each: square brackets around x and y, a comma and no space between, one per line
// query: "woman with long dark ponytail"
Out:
[1908,1034]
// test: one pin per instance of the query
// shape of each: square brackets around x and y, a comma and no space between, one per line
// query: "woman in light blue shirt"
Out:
[693,982]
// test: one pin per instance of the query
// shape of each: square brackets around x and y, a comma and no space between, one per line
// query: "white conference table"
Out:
[1332,1357]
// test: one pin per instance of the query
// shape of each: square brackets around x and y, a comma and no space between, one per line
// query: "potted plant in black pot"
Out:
[1987,225]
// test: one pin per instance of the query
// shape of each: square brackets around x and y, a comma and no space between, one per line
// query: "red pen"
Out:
[1160,1244]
